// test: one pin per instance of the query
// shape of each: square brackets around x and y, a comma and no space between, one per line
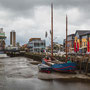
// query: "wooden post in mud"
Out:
[87,64]
[80,66]
[88,55]
[52,29]
[81,59]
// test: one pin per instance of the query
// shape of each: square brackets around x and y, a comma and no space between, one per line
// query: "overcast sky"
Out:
[31,18]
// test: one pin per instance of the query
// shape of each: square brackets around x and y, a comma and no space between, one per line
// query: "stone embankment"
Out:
[34,56]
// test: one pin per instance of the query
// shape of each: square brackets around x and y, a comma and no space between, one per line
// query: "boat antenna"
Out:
[51,29]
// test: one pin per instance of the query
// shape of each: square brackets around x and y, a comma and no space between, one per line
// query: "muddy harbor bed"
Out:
[63,76]
[81,66]
[18,73]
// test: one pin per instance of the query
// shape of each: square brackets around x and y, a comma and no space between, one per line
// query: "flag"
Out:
[88,46]
[74,46]
[77,46]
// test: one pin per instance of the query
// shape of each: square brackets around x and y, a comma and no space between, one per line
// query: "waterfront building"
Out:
[18,44]
[70,43]
[24,47]
[13,38]
[80,41]
[12,48]
[2,39]
[36,45]
[85,42]
[56,48]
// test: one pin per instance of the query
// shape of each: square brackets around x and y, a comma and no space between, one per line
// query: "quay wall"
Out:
[34,56]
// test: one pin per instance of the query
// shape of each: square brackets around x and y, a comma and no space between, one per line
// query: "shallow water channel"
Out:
[18,74]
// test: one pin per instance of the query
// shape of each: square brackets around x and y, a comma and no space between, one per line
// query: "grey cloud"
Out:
[27,4]
[26,7]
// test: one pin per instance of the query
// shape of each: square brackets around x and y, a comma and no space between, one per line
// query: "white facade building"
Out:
[36,45]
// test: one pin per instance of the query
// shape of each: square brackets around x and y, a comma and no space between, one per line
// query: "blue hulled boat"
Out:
[65,67]
[62,67]
[44,68]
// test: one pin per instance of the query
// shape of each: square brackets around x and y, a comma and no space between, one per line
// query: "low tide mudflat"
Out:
[19,74]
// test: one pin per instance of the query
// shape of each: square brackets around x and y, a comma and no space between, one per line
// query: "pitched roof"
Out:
[82,32]
[31,39]
[71,35]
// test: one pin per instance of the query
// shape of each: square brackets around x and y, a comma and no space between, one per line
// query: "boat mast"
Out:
[51,29]
[66,36]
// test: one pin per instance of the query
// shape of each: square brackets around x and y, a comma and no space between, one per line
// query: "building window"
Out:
[41,44]
[85,37]
[84,43]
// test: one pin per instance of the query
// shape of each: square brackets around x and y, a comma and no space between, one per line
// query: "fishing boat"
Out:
[44,68]
[66,66]
[60,66]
